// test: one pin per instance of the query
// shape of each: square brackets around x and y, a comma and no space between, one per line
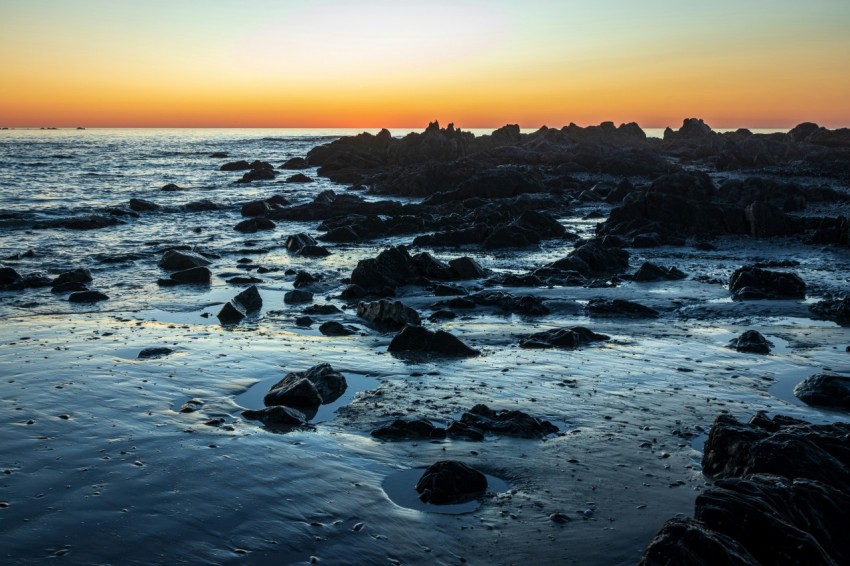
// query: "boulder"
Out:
[155,352]
[334,328]
[250,299]
[562,338]
[196,275]
[235,166]
[751,341]
[141,205]
[253,225]
[392,268]
[419,339]
[750,282]
[314,251]
[525,304]
[257,175]
[69,287]
[304,279]
[508,423]
[231,313]
[174,260]
[294,392]
[391,314]
[87,297]
[295,242]
[80,275]
[825,390]
[297,296]
[299,178]
[467,268]
[836,310]
[593,258]
[277,416]
[619,308]
[450,482]
[683,540]
[203,205]
[328,383]
[409,428]
[648,271]
[255,208]
[767,220]
[170,188]
[295,163]
[9,276]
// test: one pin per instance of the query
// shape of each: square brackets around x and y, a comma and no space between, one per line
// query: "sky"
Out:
[393,63]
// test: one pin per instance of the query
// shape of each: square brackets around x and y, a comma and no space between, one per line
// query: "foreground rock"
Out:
[415,338]
[683,540]
[410,428]
[87,297]
[825,390]
[450,482]
[562,338]
[277,416]
[482,419]
[752,342]
[752,283]
[193,276]
[318,385]
[389,314]
[239,306]
[175,260]
[836,310]
[619,307]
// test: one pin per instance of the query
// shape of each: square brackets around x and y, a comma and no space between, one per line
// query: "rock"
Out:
[196,275]
[170,187]
[526,304]
[231,313]
[278,415]
[392,268]
[353,292]
[333,328]
[304,279]
[752,283]
[174,260]
[70,286]
[314,251]
[342,234]
[203,205]
[428,266]
[297,296]
[255,208]
[295,163]
[508,423]
[235,166]
[594,258]
[651,272]
[450,482]
[467,268]
[303,321]
[218,154]
[328,383]
[836,310]
[294,393]
[391,314]
[683,540]
[299,178]
[155,352]
[257,175]
[409,428]
[460,430]
[419,339]
[825,390]
[619,307]
[87,297]
[562,338]
[250,299]
[296,242]
[9,276]
[766,220]
[80,275]
[751,341]
[242,280]
[254,225]
[448,290]
[322,310]
[140,205]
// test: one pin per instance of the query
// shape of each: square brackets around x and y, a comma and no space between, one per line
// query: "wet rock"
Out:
[304,279]
[594,258]
[751,341]
[652,272]
[257,175]
[574,337]
[751,283]
[8,276]
[353,292]
[825,390]
[450,482]
[174,260]
[392,268]
[322,309]
[409,428]
[155,352]
[508,423]
[80,275]
[33,281]
[299,178]
[253,225]
[294,392]
[87,297]
[343,234]
[250,299]
[328,383]
[170,188]
[90,222]
[781,446]
[195,275]
[333,328]
[295,163]
[141,205]
[297,296]
[448,290]
[218,154]
[391,314]
[464,431]
[203,205]
[525,304]
[277,416]
[767,220]
[683,540]
[619,308]
[303,321]
[235,166]
[314,251]
[467,268]
[419,339]
[242,280]
[836,310]
[231,313]
[296,242]
[255,208]
[70,286]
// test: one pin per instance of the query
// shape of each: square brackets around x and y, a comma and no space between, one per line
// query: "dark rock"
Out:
[170,187]
[297,296]
[333,328]
[450,482]
[218,154]
[751,341]
[442,315]
[458,429]
[257,175]
[277,416]
[391,314]
[174,260]
[417,338]
[467,268]
[428,266]
[80,275]
[294,392]
[295,163]
[322,309]
[155,352]
[651,272]
[203,205]
[231,313]
[243,280]
[90,222]
[508,423]
[303,321]
[304,279]
[592,259]
[253,225]
[255,208]
[34,281]
[837,310]
[342,234]
[8,276]
[250,299]
[296,242]
[328,383]
[448,290]
[140,205]
[750,282]
[825,390]
[526,304]
[409,428]
[392,268]
[87,297]
[235,166]
[69,286]
[299,178]
[683,540]
[767,220]
[562,338]
[353,293]
[619,307]
[314,251]
[197,275]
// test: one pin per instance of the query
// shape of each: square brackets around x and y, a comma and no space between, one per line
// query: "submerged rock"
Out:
[562,338]
[419,339]
[252,225]
[80,275]
[278,415]
[619,307]
[87,297]
[409,428]
[450,482]
[753,283]
[334,328]
[751,341]
[155,352]
[825,390]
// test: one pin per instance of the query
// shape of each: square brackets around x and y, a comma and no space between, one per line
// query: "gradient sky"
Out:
[374,63]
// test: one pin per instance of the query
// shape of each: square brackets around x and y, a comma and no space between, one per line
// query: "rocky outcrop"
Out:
[574,337]
[836,310]
[388,314]
[450,482]
[483,419]
[751,283]
[825,390]
[395,267]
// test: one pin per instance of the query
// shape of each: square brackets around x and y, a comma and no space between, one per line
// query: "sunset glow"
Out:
[332,63]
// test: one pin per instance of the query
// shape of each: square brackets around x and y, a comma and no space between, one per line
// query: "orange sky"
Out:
[375,63]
